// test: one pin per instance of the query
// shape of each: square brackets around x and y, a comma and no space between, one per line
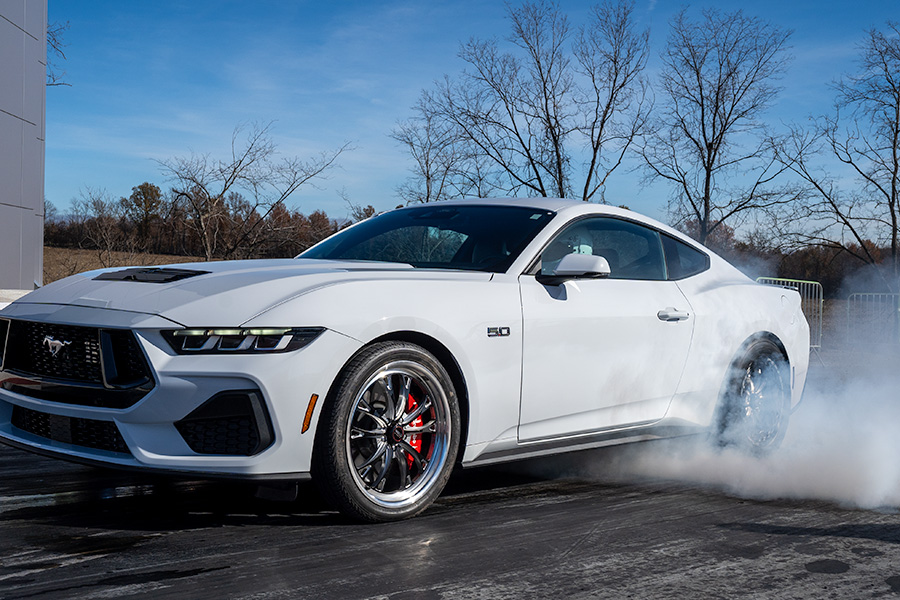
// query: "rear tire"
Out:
[756,405]
[389,434]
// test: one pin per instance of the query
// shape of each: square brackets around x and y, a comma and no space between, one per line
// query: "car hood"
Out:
[225,293]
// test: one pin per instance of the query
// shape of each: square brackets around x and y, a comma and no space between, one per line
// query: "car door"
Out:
[601,353]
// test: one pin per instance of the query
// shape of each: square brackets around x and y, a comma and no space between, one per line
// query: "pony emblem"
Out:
[54,346]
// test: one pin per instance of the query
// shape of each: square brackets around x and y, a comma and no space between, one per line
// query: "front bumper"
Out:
[154,430]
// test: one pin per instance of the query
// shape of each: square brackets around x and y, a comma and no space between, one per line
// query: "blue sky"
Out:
[154,80]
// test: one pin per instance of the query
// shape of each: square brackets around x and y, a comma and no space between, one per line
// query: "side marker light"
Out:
[309,412]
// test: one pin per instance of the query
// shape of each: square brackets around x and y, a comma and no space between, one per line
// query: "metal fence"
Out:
[811,302]
[873,318]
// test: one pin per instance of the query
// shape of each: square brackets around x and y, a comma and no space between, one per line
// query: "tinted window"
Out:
[632,251]
[683,260]
[414,245]
[482,238]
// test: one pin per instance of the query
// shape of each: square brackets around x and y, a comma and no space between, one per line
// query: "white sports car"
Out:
[467,332]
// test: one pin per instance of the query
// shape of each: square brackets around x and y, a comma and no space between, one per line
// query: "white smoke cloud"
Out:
[843,445]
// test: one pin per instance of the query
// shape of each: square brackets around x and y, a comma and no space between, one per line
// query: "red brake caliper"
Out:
[416,439]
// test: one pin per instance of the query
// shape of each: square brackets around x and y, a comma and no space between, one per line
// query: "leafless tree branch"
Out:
[520,121]
[719,74]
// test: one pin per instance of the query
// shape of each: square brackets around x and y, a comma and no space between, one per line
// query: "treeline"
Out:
[151,221]
[841,269]
[216,208]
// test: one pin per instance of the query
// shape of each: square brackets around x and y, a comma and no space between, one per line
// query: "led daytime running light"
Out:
[240,341]
[244,332]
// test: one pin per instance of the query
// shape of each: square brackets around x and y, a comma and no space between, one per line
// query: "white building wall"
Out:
[23,67]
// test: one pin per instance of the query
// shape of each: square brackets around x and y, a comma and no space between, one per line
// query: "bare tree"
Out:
[437,153]
[718,75]
[612,55]
[51,213]
[100,220]
[204,186]
[864,136]
[55,45]
[525,120]
[358,212]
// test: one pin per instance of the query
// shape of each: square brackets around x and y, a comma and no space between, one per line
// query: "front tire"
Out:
[756,405]
[389,434]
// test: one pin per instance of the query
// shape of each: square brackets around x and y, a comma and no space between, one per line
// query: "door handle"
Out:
[671,314]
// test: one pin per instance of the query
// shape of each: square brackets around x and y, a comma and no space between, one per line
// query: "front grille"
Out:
[75,365]
[230,423]
[87,433]
[30,349]
[124,362]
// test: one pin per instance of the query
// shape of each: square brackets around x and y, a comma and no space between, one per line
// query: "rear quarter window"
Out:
[683,260]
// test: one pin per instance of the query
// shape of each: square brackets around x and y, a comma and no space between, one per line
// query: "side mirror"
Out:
[576,266]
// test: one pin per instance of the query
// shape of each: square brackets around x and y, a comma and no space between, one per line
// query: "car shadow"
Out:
[76,496]
[881,532]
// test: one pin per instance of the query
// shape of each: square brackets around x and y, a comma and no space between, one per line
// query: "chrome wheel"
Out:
[389,432]
[398,434]
[762,403]
[756,409]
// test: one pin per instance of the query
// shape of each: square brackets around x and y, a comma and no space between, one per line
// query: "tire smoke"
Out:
[842,444]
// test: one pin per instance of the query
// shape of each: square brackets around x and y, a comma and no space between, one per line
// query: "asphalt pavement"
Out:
[552,528]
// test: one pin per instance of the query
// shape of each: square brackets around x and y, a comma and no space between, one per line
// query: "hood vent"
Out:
[149,275]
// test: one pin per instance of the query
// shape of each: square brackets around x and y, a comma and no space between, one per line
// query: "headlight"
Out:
[240,341]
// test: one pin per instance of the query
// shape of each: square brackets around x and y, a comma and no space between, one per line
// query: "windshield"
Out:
[473,237]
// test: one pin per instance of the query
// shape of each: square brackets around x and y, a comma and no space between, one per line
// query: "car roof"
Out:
[567,209]
[557,205]
[554,204]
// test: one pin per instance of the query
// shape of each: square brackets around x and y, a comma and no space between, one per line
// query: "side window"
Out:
[683,260]
[632,251]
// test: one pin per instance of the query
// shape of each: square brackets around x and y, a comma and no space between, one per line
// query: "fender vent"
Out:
[149,275]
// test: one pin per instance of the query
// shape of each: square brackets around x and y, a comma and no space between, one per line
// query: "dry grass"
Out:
[62,262]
